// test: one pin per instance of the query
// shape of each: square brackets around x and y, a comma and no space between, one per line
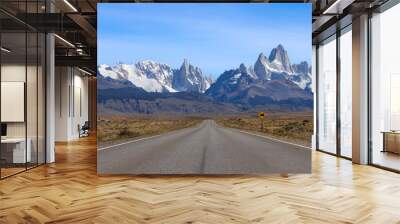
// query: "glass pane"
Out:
[41,98]
[346,94]
[31,88]
[327,96]
[385,86]
[13,86]
[31,98]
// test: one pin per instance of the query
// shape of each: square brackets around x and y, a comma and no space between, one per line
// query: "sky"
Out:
[215,36]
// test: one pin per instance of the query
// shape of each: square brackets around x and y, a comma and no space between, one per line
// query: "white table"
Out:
[19,153]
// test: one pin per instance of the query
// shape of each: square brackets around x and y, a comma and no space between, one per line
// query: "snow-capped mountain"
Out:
[239,86]
[190,79]
[279,59]
[161,73]
[278,66]
[302,75]
[262,68]
[151,87]
[150,76]
[156,77]
[274,78]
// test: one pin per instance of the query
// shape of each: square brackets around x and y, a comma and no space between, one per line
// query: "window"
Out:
[346,92]
[22,88]
[15,146]
[327,95]
[385,89]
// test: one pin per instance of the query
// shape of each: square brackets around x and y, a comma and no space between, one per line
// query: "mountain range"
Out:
[272,83]
[156,77]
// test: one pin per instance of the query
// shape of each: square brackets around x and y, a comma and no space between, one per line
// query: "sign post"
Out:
[261,115]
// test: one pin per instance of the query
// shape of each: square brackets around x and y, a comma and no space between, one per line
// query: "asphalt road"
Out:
[205,149]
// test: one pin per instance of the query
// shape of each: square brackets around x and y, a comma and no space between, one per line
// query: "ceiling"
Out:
[75,22]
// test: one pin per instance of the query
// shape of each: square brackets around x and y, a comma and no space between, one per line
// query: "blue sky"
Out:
[214,37]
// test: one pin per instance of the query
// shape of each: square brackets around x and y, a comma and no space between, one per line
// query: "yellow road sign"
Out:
[261,115]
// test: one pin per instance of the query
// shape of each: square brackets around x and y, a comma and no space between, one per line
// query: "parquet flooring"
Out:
[69,191]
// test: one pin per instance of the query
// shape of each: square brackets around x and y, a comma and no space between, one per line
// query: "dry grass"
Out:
[293,127]
[112,129]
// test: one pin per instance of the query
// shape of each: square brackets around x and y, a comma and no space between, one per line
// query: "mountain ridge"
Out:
[272,82]
[158,77]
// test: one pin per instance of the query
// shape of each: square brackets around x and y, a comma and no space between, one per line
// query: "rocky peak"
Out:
[262,58]
[279,58]
[243,69]
[261,67]
[277,53]
[185,65]
[189,78]
[301,68]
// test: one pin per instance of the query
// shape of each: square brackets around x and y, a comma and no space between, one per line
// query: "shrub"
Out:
[125,132]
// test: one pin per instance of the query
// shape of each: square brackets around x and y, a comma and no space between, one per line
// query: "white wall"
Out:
[14,73]
[33,125]
[71,87]
[62,83]
[80,112]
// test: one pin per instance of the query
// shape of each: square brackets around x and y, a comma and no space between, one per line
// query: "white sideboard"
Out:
[19,154]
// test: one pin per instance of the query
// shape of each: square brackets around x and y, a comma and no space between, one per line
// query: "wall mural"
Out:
[204,88]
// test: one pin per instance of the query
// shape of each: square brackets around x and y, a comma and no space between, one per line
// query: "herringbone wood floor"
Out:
[69,191]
